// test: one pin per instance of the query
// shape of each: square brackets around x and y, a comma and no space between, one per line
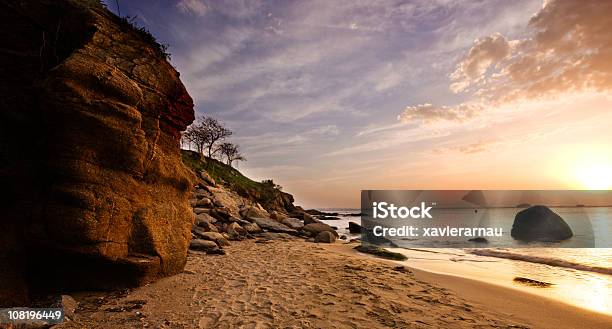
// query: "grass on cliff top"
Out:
[380,252]
[129,23]
[229,176]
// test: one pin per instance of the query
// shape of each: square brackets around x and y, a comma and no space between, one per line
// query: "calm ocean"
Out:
[580,276]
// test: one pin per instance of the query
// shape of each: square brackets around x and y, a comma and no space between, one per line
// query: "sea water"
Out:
[579,276]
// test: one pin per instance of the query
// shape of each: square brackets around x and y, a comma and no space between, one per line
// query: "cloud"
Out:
[428,113]
[194,7]
[474,66]
[328,130]
[476,147]
[567,49]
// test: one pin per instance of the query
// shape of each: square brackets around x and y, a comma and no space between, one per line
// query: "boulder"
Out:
[279,216]
[204,217]
[293,223]
[274,236]
[226,199]
[207,227]
[315,228]
[272,225]
[252,228]
[325,237]
[69,305]
[103,193]
[539,223]
[279,201]
[212,236]
[198,211]
[306,218]
[204,203]
[206,178]
[369,237]
[310,220]
[221,214]
[354,228]
[232,219]
[203,245]
[252,211]
[234,230]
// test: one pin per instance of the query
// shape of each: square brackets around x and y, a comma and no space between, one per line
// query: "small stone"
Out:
[325,237]
[203,245]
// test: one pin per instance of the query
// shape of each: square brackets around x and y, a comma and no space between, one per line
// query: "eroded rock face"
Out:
[91,119]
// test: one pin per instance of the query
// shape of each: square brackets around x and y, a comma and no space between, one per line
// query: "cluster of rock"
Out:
[222,216]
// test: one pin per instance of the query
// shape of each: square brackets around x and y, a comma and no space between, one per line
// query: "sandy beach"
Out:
[296,284]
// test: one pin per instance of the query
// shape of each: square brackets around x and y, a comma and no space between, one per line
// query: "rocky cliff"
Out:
[90,123]
[268,196]
[229,206]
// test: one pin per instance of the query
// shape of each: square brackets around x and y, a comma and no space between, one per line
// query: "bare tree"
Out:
[194,135]
[214,131]
[231,152]
[205,134]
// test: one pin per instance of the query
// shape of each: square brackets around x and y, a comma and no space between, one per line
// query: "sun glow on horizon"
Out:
[583,166]
[595,176]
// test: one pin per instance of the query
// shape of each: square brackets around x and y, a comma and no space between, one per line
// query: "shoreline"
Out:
[516,303]
[501,272]
[293,283]
[539,312]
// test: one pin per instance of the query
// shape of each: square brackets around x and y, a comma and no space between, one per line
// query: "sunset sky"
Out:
[332,97]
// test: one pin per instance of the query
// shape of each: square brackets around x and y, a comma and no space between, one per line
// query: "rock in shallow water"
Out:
[354,228]
[539,223]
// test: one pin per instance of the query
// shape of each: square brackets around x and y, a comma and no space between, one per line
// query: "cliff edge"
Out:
[90,125]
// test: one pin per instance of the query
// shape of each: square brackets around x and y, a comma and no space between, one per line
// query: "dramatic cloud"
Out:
[568,50]
[314,86]
[474,66]
[428,113]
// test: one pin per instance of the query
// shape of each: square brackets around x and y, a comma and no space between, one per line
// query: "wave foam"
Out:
[542,260]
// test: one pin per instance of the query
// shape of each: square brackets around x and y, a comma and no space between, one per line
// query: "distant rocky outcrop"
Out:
[96,192]
[539,223]
[475,197]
